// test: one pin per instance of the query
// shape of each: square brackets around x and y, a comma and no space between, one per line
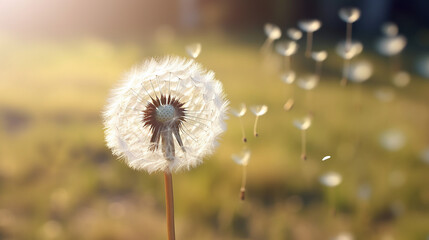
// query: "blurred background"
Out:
[60,58]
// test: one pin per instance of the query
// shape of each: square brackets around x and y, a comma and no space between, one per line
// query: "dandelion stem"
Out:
[243,184]
[348,36]
[303,147]
[309,43]
[242,130]
[266,46]
[345,72]
[169,203]
[255,131]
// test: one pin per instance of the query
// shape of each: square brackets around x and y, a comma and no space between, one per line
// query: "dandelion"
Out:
[303,124]
[319,57]
[349,15]
[193,50]
[308,82]
[287,49]
[389,29]
[273,33]
[347,53]
[391,46]
[309,26]
[240,113]
[258,110]
[288,78]
[165,116]
[294,34]
[242,160]
[401,79]
[331,180]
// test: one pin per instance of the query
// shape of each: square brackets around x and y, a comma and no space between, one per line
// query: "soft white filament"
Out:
[331,179]
[242,159]
[182,79]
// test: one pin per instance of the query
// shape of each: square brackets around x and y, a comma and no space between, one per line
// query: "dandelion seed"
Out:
[392,140]
[273,33]
[258,110]
[179,106]
[289,104]
[349,15]
[193,50]
[240,113]
[391,46]
[287,49]
[288,77]
[319,57]
[389,29]
[401,79]
[303,124]
[360,71]
[308,82]
[294,34]
[331,179]
[326,158]
[242,160]
[347,53]
[309,26]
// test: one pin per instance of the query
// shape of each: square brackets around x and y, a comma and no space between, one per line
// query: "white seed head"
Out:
[242,159]
[392,140]
[349,14]
[193,50]
[390,46]
[303,123]
[389,29]
[326,158]
[331,179]
[401,79]
[240,111]
[288,77]
[349,51]
[286,48]
[272,31]
[319,56]
[309,25]
[294,34]
[360,71]
[259,110]
[167,114]
[308,82]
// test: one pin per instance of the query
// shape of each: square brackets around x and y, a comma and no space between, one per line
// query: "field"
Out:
[58,180]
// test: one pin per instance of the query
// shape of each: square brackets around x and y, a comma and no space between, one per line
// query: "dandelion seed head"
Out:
[272,31]
[319,56]
[240,111]
[242,159]
[360,71]
[294,34]
[286,48]
[303,123]
[309,25]
[167,114]
[349,14]
[193,49]
[349,51]
[288,77]
[390,46]
[259,110]
[308,82]
[389,29]
[401,79]
[331,179]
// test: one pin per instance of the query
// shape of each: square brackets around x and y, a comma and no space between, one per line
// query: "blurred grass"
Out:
[59,181]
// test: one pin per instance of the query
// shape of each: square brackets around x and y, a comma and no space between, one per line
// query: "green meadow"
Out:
[58,180]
